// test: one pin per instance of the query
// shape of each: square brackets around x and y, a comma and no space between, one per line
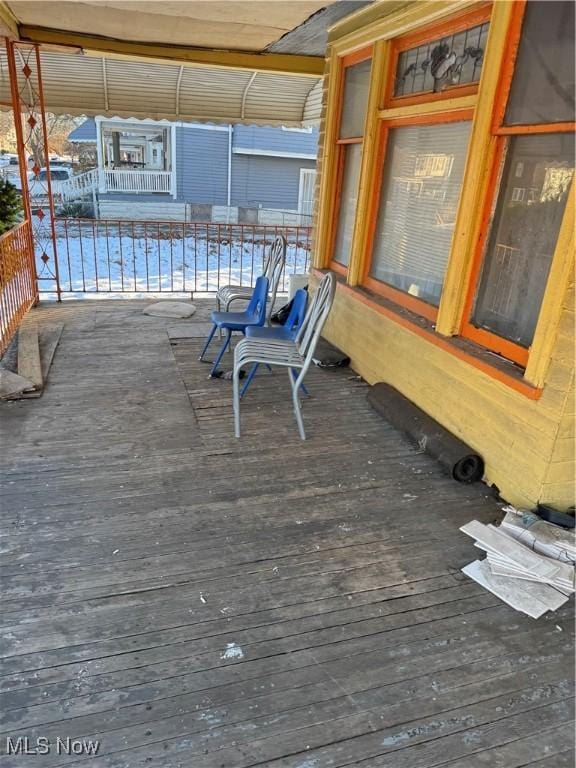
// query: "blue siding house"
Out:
[194,171]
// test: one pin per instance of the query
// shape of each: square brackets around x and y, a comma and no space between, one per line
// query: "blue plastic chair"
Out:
[286,332]
[255,315]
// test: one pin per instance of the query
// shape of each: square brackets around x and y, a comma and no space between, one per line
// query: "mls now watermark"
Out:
[23,745]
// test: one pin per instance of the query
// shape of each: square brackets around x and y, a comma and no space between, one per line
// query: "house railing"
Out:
[113,180]
[18,291]
[78,186]
[118,256]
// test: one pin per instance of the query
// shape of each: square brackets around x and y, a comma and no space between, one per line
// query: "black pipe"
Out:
[459,460]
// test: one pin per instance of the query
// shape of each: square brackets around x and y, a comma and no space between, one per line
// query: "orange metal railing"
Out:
[18,286]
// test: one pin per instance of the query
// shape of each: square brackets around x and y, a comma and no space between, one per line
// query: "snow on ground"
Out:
[154,258]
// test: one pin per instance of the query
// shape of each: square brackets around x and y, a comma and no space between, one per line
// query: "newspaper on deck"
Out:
[544,538]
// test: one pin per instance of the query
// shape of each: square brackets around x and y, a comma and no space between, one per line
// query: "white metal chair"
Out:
[291,354]
[274,264]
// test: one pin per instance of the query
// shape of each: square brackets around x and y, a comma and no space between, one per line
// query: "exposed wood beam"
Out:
[8,22]
[260,62]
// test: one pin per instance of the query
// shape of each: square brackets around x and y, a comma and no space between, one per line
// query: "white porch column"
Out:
[100,156]
[173,176]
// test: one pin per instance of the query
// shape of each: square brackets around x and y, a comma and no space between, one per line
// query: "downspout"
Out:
[229,203]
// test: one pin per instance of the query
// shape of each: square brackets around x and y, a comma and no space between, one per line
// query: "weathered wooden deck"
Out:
[190,600]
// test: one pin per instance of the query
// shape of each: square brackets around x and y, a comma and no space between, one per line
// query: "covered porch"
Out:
[177,598]
[186,599]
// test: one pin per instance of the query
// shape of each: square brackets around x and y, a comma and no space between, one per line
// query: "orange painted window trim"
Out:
[403,299]
[357,57]
[413,303]
[509,64]
[497,344]
[341,269]
[502,134]
[457,91]
[523,130]
[457,22]
[444,343]
[352,140]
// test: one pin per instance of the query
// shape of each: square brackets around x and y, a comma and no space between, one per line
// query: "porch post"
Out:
[173,160]
[100,157]
[32,139]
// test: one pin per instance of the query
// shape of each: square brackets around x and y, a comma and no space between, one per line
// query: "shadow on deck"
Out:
[190,600]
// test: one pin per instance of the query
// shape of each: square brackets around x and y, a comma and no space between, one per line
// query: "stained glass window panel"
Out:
[442,63]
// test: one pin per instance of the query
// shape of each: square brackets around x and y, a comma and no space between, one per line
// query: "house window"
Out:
[421,184]
[543,87]
[423,151]
[355,87]
[351,159]
[535,143]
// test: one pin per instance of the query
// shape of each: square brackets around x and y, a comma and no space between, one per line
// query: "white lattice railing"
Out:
[137,181]
[77,186]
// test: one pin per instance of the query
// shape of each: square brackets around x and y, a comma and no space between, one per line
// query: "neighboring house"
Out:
[194,171]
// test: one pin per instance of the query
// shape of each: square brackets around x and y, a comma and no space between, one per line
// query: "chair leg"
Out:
[249,378]
[218,308]
[236,400]
[302,385]
[221,352]
[296,404]
[207,344]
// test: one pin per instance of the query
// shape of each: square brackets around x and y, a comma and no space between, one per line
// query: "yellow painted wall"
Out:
[525,443]
[559,483]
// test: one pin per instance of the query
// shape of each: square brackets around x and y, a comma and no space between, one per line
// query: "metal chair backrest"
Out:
[297,311]
[273,268]
[257,306]
[316,316]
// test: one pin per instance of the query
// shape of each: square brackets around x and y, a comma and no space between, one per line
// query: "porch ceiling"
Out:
[113,86]
[224,24]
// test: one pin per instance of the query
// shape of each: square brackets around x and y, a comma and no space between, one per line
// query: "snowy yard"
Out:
[153,257]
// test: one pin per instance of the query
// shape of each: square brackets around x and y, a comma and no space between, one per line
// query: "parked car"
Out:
[37,184]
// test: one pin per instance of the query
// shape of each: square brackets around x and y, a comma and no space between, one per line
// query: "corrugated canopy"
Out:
[79,84]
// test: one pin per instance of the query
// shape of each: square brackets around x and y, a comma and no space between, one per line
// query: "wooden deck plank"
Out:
[192,600]
[29,365]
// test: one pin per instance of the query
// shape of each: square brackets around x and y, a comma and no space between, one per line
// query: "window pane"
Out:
[533,191]
[442,63]
[543,84]
[420,192]
[348,199]
[355,99]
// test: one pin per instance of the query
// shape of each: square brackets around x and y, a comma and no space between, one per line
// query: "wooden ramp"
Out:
[185,599]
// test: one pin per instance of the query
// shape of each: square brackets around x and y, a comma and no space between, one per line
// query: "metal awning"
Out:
[79,84]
